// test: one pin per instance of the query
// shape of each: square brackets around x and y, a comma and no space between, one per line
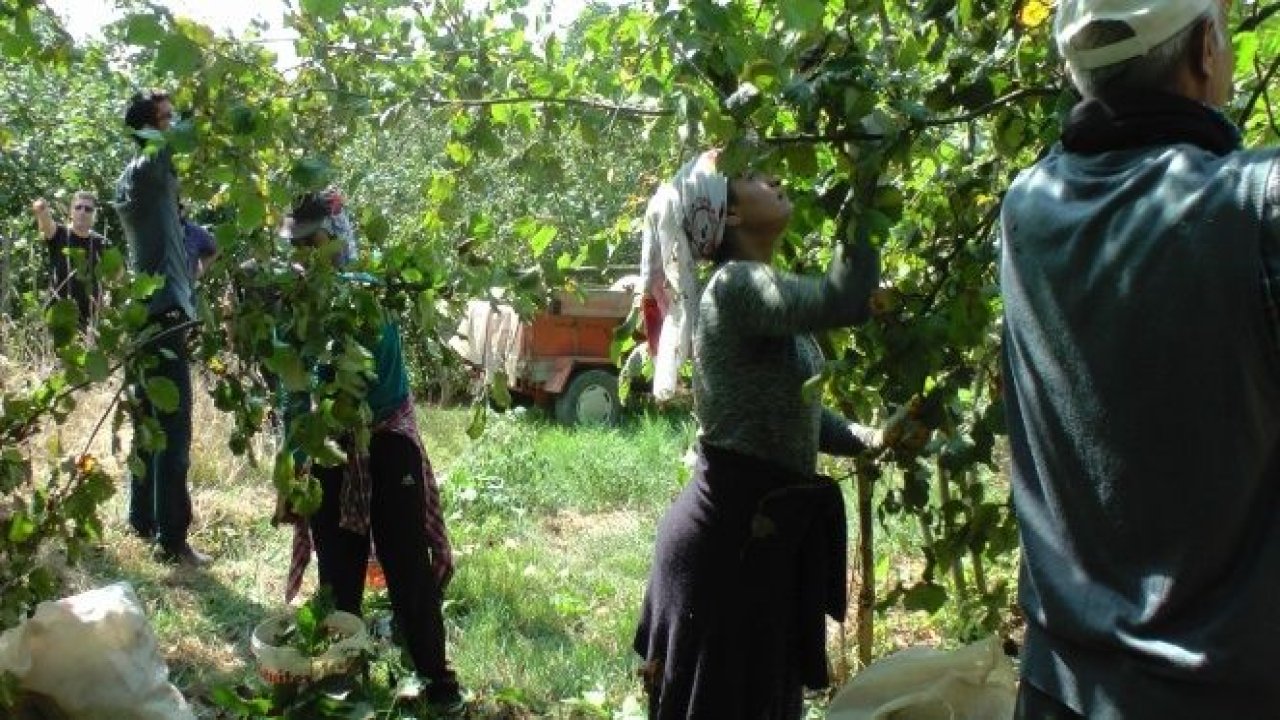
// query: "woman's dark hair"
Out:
[141,111]
[729,243]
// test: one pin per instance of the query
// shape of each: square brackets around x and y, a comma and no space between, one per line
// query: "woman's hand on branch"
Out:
[900,432]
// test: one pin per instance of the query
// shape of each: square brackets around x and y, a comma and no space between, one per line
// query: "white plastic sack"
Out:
[94,655]
[976,682]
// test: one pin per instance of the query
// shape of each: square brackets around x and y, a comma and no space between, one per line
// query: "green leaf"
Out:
[1010,133]
[226,698]
[323,9]
[111,265]
[96,366]
[459,153]
[144,286]
[282,474]
[803,15]
[310,173]
[802,160]
[812,389]
[182,136]
[143,29]
[21,527]
[374,226]
[251,209]
[1246,46]
[928,597]
[163,394]
[177,54]
[242,119]
[541,239]
[890,201]
[63,318]
[330,454]
[478,419]
[285,363]
[623,335]
[498,391]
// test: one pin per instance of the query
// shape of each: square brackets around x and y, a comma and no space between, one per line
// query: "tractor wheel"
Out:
[591,398]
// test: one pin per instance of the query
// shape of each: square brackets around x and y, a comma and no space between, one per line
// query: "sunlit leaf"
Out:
[163,394]
[177,54]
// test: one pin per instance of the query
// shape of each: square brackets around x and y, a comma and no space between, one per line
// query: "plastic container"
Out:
[281,665]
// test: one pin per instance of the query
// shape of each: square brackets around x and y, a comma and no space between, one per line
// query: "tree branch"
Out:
[993,105]
[860,136]
[1253,21]
[552,100]
[1264,79]
[1271,116]
[20,432]
[943,265]
[834,138]
[595,104]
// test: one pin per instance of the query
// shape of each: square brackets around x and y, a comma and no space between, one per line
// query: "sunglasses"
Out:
[84,208]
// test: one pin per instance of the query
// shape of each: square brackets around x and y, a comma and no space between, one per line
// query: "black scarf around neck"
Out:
[1098,125]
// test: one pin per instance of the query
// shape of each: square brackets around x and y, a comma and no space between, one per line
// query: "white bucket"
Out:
[283,664]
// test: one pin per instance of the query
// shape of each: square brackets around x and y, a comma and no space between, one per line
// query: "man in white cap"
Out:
[1140,274]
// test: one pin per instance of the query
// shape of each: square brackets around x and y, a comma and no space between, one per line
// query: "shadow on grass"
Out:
[203,624]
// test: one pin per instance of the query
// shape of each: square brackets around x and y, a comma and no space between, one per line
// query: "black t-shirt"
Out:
[65,280]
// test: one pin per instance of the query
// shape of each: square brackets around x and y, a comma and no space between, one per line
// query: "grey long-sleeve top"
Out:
[147,202]
[753,351]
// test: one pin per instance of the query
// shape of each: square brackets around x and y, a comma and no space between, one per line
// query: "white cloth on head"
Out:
[340,225]
[684,222]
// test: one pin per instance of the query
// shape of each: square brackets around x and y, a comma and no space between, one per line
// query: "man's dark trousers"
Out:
[160,501]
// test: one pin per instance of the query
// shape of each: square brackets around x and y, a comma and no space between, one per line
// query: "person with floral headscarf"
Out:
[751,556]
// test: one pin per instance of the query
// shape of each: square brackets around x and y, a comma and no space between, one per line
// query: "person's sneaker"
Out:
[184,555]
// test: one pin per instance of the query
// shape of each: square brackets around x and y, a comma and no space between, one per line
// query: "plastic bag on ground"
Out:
[976,682]
[94,655]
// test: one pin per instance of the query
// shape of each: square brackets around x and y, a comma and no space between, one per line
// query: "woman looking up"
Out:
[752,554]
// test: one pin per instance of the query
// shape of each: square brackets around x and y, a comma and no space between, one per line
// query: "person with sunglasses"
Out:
[74,252]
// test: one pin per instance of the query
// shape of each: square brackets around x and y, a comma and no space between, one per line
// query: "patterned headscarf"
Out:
[684,223]
[340,226]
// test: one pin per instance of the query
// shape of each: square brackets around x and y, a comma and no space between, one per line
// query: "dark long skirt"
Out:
[748,561]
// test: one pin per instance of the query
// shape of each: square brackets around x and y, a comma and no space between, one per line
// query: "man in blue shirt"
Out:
[201,247]
[1142,380]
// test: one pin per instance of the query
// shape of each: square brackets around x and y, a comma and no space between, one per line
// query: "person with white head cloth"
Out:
[1140,272]
[752,554]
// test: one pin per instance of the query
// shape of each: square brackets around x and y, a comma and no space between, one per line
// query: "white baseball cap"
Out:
[1152,22]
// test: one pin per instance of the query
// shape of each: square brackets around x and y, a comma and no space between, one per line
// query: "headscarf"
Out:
[684,223]
[324,210]
[340,226]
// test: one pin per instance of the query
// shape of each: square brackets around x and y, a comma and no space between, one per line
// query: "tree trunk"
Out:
[866,476]
[949,529]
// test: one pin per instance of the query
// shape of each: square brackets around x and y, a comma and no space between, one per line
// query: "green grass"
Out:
[553,529]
